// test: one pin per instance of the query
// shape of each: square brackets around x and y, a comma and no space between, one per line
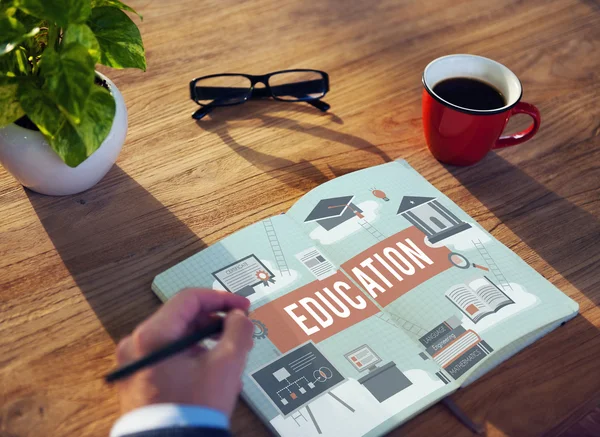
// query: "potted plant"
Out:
[62,124]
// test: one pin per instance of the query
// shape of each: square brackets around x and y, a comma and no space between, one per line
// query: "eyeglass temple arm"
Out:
[302,90]
[205,110]
[202,112]
[319,104]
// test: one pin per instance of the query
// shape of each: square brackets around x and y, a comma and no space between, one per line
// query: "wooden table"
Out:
[76,271]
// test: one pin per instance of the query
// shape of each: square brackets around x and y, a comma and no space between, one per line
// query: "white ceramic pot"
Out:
[29,158]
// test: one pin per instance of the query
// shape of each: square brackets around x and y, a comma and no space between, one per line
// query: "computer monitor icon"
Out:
[363,358]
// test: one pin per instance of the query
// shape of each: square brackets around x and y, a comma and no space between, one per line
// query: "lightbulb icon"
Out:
[380,195]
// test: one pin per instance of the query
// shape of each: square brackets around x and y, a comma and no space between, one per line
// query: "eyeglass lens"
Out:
[223,90]
[297,85]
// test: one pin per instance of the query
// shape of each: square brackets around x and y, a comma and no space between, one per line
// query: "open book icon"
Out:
[480,298]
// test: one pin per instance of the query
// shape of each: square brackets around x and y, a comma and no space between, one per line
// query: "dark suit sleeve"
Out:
[182,432]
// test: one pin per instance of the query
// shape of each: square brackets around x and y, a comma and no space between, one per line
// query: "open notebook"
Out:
[373,298]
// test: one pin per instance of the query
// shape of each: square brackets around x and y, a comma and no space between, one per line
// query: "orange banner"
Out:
[314,312]
[321,309]
[397,265]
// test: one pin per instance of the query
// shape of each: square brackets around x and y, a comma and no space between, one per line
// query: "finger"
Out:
[204,320]
[180,315]
[187,305]
[196,351]
[194,308]
[236,341]
[125,353]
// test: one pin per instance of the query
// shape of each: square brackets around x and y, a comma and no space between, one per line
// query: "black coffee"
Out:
[470,93]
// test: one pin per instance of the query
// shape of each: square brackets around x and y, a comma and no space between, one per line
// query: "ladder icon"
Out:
[491,264]
[371,230]
[276,247]
[402,323]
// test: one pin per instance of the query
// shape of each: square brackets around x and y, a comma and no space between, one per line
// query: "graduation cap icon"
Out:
[330,213]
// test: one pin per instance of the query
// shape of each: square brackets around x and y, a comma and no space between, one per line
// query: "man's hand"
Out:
[198,376]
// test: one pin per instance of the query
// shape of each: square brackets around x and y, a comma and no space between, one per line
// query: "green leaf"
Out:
[12,33]
[82,34]
[97,119]
[15,63]
[73,143]
[115,4]
[9,102]
[61,12]
[7,8]
[41,109]
[69,78]
[119,38]
[29,20]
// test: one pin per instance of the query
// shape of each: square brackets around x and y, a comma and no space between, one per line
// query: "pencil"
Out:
[165,352]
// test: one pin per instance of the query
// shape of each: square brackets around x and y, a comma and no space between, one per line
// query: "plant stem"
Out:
[53,32]
[35,66]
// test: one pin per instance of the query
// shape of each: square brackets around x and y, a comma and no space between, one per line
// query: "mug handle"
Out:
[521,137]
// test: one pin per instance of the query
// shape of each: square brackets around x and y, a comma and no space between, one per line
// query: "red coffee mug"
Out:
[463,136]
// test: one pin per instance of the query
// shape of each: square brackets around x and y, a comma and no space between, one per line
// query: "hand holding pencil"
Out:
[196,376]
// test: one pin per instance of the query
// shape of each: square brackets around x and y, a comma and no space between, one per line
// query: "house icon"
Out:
[430,216]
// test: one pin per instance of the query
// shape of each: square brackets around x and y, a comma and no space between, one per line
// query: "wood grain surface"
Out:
[75,272]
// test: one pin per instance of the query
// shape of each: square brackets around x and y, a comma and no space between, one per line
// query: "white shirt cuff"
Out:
[161,416]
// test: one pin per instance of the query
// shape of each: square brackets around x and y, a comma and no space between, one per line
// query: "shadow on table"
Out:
[542,219]
[566,237]
[113,239]
[301,175]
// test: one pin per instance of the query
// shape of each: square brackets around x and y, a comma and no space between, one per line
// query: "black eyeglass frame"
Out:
[261,92]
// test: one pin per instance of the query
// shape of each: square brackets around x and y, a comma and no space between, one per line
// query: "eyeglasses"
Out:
[233,89]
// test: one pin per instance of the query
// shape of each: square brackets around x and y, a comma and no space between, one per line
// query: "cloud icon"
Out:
[347,228]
